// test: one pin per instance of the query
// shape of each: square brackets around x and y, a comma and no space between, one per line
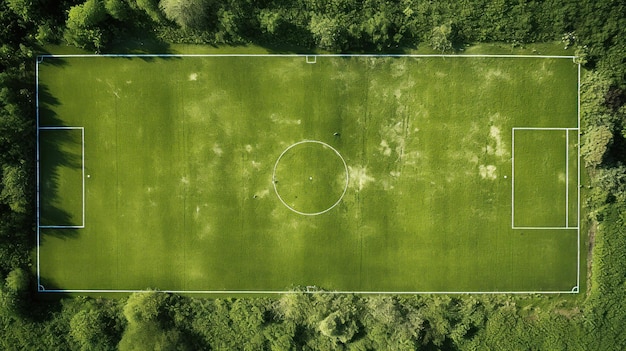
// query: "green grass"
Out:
[540,178]
[181,154]
[61,173]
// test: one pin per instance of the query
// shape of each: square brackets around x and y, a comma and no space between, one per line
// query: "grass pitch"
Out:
[192,173]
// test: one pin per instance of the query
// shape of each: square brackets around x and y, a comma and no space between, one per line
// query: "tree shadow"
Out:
[46,101]
[53,156]
[52,61]
[139,41]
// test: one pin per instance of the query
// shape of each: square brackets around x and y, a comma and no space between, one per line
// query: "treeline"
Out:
[596,30]
[17,162]
[301,321]
[336,25]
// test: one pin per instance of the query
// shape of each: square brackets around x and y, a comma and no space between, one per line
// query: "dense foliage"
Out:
[596,30]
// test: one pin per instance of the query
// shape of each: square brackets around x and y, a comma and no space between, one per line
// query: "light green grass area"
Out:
[182,157]
[541,174]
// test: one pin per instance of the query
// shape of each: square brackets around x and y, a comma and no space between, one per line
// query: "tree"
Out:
[339,327]
[269,20]
[147,336]
[440,38]
[88,329]
[87,15]
[146,307]
[228,31]
[118,9]
[193,14]
[329,33]
[12,299]
[392,324]
[26,9]
[150,326]
[378,28]
[596,142]
[151,7]
[82,25]
[14,179]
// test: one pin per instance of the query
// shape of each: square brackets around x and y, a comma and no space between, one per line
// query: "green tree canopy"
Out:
[193,14]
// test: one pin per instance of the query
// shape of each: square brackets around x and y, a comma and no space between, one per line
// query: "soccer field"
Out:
[261,173]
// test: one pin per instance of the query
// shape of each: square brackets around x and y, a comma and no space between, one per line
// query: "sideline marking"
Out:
[323,55]
[578,187]
[345,188]
[574,290]
[40,59]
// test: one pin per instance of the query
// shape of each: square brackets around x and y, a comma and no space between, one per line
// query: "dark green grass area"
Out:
[61,174]
[182,155]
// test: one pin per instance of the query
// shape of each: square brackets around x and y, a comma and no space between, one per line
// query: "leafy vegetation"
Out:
[594,321]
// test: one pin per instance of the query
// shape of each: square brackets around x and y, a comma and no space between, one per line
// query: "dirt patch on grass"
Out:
[359,177]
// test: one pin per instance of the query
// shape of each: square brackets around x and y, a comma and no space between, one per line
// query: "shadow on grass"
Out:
[139,41]
[52,61]
[53,156]
[47,116]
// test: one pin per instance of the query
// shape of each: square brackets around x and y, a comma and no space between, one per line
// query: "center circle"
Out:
[310,177]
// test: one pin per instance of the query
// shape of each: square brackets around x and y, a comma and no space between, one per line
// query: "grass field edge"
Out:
[574,290]
[38,240]
[578,176]
[41,289]
[40,58]
[38,174]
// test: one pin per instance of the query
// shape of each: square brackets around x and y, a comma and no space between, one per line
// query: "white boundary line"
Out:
[574,290]
[41,57]
[544,228]
[578,187]
[41,289]
[543,128]
[37,210]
